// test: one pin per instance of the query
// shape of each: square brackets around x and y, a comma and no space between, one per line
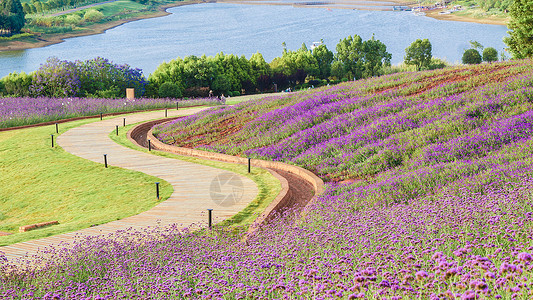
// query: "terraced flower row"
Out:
[429,197]
[26,111]
[391,138]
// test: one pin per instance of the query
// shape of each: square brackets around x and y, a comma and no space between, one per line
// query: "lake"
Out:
[246,29]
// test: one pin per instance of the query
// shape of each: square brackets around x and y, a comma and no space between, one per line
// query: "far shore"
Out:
[349,4]
[94,29]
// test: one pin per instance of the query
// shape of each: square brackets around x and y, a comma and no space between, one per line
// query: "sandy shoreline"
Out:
[340,4]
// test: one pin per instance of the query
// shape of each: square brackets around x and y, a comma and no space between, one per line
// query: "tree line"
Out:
[230,74]
[195,76]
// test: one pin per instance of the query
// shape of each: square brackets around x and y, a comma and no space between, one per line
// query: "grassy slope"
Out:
[379,137]
[40,184]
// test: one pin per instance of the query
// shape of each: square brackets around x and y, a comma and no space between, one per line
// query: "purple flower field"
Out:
[429,196]
[26,111]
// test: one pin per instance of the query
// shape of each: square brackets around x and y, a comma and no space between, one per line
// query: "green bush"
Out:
[16,84]
[437,63]
[236,93]
[15,36]
[490,54]
[46,22]
[170,90]
[73,20]
[92,15]
[471,57]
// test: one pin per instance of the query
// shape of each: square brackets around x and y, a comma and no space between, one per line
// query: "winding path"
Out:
[191,182]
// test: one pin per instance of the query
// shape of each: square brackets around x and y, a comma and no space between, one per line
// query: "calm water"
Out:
[246,29]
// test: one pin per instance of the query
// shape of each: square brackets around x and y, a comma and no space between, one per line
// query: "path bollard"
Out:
[52,140]
[177,105]
[105,160]
[210,217]
[101,116]
[166,112]
[249,164]
[157,190]
[124,123]
[117,128]
[57,128]
[149,145]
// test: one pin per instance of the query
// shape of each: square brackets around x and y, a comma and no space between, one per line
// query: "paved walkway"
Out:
[196,187]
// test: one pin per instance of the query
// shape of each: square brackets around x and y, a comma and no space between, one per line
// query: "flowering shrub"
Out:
[96,77]
[56,78]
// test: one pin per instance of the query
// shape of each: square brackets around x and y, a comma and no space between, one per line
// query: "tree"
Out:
[337,70]
[520,40]
[471,56]
[16,84]
[55,78]
[169,90]
[375,57]
[12,17]
[490,54]
[350,53]
[323,57]
[418,54]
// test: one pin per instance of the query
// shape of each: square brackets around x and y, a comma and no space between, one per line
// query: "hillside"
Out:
[403,136]
[429,197]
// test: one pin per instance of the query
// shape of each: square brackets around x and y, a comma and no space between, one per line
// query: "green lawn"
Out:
[40,183]
[111,9]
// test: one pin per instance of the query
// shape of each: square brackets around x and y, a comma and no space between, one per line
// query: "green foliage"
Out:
[12,16]
[324,58]
[221,73]
[337,70]
[47,21]
[362,59]
[419,54]
[476,45]
[490,54]
[498,5]
[92,15]
[17,84]
[350,53]
[375,57]
[15,36]
[437,63]
[520,40]
[471,56]
[169,90]
[221,85]
[73,20]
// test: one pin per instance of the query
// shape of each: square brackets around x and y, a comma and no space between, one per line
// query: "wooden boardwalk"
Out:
[192,183]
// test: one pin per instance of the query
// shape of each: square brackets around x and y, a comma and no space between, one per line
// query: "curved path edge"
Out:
[285,199]
[186,206]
